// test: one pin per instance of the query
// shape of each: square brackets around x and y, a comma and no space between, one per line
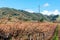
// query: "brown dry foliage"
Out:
[23,30]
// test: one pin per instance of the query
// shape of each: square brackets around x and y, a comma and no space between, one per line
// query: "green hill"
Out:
[58,19]
[55,18]
[11,13]
[21,14]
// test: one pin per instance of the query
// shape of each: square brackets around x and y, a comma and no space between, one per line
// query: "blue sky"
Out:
[21,4]
[46,6]
[52,4]
[50,7]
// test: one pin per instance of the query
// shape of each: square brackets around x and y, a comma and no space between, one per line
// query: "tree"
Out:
[41,20]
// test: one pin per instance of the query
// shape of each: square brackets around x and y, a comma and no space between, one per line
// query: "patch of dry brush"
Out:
[26,31]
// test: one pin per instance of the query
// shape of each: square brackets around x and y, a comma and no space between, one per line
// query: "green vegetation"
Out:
[26,16]
[58,19]
[21,14]
[53,17]
[41,20]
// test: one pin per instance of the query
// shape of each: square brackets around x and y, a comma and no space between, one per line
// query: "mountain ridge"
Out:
[24,15]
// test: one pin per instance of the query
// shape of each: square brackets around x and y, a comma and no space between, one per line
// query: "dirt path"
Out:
[59,32]
[56,35]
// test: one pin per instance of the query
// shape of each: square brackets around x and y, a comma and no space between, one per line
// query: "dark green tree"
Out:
[41,20]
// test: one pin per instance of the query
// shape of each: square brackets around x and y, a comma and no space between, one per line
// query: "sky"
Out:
[50,7]
[47,7]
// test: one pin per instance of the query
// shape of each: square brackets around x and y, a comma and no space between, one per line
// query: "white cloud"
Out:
[46,5]
[45,12]
[29,10]
[55,12]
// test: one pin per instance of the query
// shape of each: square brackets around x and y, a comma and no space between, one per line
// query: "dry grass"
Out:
[26,30]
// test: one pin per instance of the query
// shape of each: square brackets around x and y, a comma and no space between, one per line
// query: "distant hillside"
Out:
[58,19]
[12,13]
[55,18]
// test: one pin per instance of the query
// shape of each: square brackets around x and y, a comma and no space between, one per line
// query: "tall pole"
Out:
[39,9]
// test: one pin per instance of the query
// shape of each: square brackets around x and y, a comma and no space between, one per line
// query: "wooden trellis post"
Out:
[42,36]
